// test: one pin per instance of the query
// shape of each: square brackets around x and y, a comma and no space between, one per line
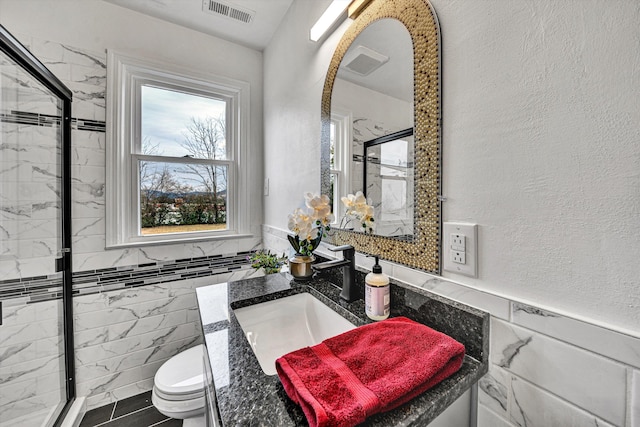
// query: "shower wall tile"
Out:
[38,404]
[90,75]
[59,69]
[32,369]
[50,52]
[88,227]
[87,209]
[106,259]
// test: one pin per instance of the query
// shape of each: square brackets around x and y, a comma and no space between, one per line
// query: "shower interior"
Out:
[36,349]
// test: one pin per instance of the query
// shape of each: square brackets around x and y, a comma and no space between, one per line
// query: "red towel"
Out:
[370,369]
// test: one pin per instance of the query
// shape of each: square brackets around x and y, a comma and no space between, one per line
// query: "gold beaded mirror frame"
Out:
[418,16]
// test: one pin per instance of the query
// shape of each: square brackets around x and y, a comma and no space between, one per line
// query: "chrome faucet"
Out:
[348,264]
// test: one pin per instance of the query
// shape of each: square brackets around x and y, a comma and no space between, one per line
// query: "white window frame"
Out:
[125,76]
[341,171]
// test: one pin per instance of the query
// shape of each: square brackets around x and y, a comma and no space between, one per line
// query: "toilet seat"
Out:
[181,377]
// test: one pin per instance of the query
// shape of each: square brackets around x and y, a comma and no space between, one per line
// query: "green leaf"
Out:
[295,242]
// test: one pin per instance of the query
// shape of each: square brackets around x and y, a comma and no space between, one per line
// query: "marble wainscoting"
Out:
[122,337]
[127,322]
[31,361]
[547,369]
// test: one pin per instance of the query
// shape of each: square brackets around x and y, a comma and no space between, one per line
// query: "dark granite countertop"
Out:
[248,397]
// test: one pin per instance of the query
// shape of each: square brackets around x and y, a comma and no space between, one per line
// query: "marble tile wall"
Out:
[31,360]
[122,337]
[84,72]
[547,369]
[133,308]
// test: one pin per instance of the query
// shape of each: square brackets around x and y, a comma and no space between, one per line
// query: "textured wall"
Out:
[540,144]
[541,123]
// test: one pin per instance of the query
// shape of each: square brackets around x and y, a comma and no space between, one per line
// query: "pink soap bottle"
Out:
[377,293]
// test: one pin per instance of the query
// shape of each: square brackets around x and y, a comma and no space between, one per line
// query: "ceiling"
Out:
[390,38]
[189,13]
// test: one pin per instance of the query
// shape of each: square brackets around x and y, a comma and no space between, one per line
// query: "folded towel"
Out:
[370,369]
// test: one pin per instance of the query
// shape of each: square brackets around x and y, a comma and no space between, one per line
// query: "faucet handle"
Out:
[341,248]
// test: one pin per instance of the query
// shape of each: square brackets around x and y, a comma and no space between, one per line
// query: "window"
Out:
[177,143]
[340,161]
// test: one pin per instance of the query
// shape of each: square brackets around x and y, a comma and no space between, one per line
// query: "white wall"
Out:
[540,144]
[541,123]
[71,38]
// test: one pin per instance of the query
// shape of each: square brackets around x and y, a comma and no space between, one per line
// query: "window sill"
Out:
[184,240]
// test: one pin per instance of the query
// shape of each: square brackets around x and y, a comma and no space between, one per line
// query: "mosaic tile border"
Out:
[47,120]
[43,288]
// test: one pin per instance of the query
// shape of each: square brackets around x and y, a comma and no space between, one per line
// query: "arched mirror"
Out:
[381,131]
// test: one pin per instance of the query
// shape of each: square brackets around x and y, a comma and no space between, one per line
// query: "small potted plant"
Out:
[270,263]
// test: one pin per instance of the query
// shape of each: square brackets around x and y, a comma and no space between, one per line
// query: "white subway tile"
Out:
[488,418]
[105,259]
[634,395]
[17,314]
[137,295]
[534,407]
[128,345]
[582,378]
[494,389]
[606,342]
[162,253]
[497,306]
[89,304]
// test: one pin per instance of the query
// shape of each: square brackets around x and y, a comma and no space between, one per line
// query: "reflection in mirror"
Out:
[373,98]
[388,181]
[383,114]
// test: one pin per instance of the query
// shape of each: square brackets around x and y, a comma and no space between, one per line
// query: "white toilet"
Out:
[178,387]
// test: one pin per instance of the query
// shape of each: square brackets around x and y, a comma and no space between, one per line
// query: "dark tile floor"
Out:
[136,411]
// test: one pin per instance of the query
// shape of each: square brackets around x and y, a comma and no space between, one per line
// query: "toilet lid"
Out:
[182,374]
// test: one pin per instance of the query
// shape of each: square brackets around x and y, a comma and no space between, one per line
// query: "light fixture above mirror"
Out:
[328,18]
[422,250]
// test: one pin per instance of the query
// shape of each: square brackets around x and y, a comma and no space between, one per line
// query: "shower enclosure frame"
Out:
[18,53]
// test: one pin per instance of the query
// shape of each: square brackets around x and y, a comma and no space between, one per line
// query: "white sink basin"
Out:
[275,328]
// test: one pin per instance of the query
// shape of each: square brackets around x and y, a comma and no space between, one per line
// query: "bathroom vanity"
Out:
[238,391]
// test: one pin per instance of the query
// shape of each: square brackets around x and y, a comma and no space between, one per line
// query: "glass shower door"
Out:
[36,383]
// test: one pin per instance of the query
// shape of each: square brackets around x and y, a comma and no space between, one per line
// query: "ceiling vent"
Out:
[228,11]
[363,61]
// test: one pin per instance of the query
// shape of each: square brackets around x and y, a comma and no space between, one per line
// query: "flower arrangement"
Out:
[310,224]
[271,263]
[357,209]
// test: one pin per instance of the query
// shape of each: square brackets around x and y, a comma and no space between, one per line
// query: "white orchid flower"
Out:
[310,224]
[319,205]
[359,210]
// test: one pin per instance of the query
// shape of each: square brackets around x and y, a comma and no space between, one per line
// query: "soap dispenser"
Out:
[377,293]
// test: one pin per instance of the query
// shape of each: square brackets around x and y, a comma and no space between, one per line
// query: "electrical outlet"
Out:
[459,257]
[459,248]
[458,242]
